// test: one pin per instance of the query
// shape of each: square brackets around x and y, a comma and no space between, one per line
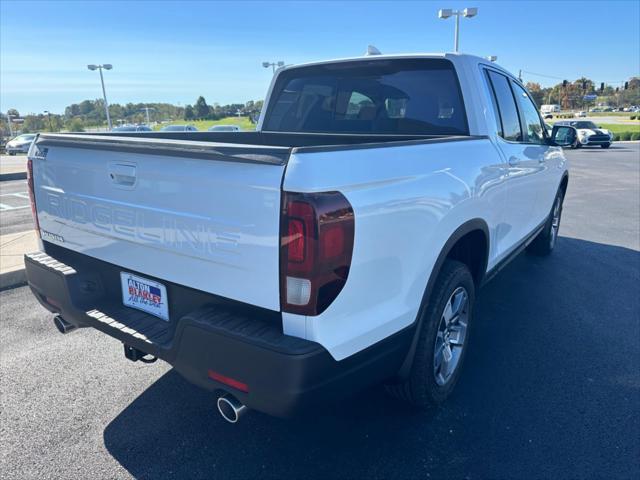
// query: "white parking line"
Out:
[4,208]
[21,195]
[16,194]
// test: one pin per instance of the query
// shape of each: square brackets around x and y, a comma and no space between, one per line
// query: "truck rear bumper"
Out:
[208,337]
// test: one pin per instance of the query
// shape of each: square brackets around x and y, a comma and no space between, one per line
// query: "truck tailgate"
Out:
[198,214]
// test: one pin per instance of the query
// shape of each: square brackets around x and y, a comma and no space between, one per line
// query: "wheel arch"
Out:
[456,247]
[564,183]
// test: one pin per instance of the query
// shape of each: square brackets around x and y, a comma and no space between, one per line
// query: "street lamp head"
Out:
[280,63]
[92,67]
[266,64]
[445,13]
[470,12]
[107,66]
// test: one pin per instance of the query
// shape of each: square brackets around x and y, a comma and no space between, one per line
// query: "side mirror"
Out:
[563,135]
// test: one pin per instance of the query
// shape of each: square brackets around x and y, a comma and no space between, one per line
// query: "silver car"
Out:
[225,128]
[20,144]
[179,128]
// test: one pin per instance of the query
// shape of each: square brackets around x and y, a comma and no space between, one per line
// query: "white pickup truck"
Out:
[341,244]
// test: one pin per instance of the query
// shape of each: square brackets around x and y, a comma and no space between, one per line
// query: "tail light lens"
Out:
[317,231]
[32,195]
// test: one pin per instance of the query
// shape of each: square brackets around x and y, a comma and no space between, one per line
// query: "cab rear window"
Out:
[412,96]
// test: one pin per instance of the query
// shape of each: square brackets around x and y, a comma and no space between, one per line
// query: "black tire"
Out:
[545,242]
[422,389]
[605,145]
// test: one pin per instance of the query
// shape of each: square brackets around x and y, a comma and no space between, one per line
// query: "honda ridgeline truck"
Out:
[339,245]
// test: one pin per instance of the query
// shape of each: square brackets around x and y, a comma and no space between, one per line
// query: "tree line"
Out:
[570,95]
[91,114]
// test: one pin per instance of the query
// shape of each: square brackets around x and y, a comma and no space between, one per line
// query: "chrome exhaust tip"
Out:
[230,408]
[62,325]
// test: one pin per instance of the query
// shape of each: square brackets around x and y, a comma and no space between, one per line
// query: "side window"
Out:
[496,110]
[506,107]
[532,124]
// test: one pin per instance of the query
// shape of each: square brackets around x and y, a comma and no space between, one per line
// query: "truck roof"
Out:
[464,57]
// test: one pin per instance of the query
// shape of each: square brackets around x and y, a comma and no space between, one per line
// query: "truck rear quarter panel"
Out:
[408,200]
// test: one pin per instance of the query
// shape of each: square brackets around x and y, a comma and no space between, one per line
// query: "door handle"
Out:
[513,161]
[122,174]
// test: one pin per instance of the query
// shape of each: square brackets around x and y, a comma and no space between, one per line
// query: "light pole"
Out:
[49,118]
[273,65]
[106,66]
[146,110]
[9,123]
[445,13]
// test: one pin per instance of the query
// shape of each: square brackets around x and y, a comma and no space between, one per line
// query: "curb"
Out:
[12,279]
[5,177]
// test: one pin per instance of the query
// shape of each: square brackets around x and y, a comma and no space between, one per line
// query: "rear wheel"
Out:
[545,242]
[605,145]
[442,341]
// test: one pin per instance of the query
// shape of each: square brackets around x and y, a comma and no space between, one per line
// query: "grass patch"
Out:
[620,128]
[609,114]
[243,122]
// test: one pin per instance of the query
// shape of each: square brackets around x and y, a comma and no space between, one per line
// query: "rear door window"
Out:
[509,120]
[412,96]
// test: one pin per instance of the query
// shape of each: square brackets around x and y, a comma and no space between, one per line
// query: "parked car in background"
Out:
[589,133]
[548,115]
[179,128]
[132,128]
[20,144]
[581,114]
[225,128]
[340,245]
[550,108]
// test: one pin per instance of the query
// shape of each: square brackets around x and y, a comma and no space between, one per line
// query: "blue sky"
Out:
[174,51]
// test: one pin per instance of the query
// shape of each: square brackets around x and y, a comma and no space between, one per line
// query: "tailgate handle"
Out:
[122,174]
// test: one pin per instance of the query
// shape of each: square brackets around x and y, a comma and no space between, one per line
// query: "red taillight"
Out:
[316,248]
[32,195]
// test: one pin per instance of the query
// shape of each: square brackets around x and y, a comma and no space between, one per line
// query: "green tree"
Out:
[536,92]
[189,114]
[75,125]
[201,108]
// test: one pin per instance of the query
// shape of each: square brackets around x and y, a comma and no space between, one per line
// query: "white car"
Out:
[20,144]
[340,245]
[581,114]
[589,134]
[225,128]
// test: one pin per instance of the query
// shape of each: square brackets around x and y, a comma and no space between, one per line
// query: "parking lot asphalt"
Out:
[550,388]
[15,209]
[13,166]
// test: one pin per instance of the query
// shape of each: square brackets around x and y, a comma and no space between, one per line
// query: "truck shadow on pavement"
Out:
[539,376]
